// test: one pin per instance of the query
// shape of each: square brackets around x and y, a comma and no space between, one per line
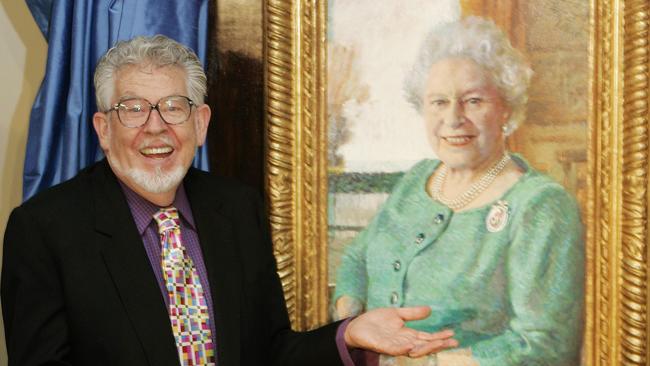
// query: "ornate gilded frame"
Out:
[617,215]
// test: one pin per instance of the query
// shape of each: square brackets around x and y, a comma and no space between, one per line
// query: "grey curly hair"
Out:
[156,50]
[483,42]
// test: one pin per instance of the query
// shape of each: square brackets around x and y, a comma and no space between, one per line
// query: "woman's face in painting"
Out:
[464,113]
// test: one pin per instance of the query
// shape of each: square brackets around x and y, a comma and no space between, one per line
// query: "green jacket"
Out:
[514,296]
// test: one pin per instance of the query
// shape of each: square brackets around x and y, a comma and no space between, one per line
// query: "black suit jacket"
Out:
[78,289]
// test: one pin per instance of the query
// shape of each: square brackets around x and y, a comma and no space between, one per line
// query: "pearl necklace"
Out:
[468,196]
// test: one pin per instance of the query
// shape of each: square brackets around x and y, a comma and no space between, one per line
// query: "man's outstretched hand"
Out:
[383,331]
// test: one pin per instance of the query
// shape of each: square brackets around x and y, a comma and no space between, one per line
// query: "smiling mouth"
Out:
[458,140]
[157,152]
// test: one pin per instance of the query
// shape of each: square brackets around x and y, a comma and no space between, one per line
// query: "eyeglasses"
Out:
[135,112]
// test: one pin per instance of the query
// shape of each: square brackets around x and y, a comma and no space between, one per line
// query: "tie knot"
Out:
[167,219]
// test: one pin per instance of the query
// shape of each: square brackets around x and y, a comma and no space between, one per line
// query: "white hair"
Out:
[481,41]
[157,181]
[157,51]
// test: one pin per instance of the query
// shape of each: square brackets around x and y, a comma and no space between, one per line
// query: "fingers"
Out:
[432,347]
[414,312]
[443,334]
[408,341]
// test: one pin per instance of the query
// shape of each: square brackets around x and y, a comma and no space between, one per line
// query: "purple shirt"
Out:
[352,357]
[143,211]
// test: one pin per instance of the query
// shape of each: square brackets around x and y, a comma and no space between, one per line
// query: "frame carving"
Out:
[616,318]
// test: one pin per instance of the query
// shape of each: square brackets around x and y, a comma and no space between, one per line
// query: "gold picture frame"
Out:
[616,217]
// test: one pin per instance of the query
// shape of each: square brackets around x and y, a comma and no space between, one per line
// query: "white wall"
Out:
[23,52]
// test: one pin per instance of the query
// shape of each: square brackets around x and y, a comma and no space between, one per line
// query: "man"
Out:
[96,271]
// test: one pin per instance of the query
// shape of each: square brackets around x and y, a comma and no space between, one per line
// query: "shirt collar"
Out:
[143,210]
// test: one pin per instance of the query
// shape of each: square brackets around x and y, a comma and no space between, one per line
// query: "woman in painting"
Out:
[493,246]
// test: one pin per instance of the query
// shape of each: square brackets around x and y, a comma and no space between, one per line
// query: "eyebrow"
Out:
[129,96]
[480,90]
[475,90]
[432,95]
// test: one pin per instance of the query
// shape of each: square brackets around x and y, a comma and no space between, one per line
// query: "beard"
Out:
[156,181]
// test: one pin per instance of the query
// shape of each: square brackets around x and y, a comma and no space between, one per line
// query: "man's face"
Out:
[152,158]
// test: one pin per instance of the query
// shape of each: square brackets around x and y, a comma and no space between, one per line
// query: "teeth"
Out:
[156,150]
[457,140]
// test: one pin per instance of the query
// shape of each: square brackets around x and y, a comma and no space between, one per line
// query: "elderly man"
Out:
[96,271]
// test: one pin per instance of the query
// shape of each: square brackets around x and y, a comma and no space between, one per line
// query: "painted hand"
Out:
[346,307]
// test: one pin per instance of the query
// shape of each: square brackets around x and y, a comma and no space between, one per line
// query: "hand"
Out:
[383,331]
[347,306]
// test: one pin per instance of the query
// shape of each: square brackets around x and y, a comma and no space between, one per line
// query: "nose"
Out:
[155,123]
[455,115]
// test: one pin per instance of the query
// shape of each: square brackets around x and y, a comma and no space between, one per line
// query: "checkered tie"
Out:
[188,310]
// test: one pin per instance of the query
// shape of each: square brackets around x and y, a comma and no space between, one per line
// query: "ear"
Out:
[505,117]
[507,113]
[201,122]
[100,122]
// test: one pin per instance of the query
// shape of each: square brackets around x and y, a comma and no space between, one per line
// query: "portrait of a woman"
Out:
[493,246]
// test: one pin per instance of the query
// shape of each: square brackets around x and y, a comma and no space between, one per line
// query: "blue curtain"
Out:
[61,139]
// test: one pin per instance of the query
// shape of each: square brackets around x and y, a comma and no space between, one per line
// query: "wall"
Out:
[554,137]
[23,53]
[236,91]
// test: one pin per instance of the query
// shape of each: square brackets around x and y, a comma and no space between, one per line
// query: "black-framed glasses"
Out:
[135,112]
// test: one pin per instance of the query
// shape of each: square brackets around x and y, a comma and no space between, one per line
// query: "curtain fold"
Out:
[61,140]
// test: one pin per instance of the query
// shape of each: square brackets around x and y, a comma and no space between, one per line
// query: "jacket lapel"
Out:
[222,262]
[129,267]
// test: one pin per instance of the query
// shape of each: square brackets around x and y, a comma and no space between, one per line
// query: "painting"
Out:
[375,134]
[377,146]
[587,127]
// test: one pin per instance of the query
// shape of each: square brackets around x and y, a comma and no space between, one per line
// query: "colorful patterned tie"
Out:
[188,310]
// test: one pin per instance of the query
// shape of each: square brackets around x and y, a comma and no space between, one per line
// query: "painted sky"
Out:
[387,134]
